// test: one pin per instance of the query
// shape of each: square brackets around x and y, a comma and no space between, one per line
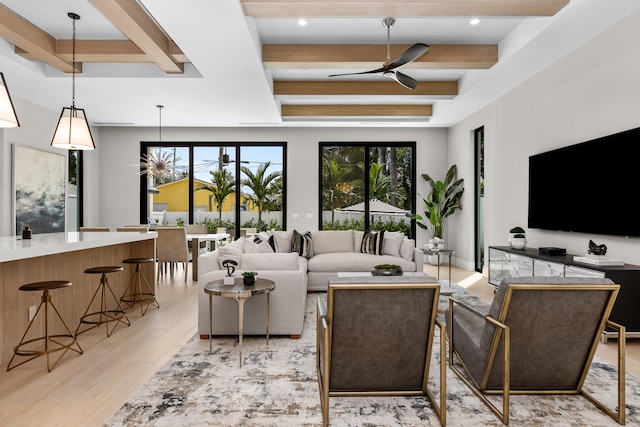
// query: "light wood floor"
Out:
[85,390]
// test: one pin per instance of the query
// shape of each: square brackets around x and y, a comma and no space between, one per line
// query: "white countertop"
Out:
[13,248]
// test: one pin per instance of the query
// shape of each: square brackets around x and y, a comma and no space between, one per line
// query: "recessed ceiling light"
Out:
[474,21]
[302,22]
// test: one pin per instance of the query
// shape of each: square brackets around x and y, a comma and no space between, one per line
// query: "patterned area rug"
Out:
[277,386]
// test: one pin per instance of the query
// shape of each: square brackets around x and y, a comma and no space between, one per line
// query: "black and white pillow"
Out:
[372,242]
[302,244]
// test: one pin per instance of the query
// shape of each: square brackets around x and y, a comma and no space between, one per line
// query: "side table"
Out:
[240,293]
[438,253]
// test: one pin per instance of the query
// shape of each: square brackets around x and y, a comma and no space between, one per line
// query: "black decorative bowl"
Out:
[379,271]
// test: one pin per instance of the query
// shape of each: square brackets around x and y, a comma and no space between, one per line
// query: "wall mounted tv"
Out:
[591,187]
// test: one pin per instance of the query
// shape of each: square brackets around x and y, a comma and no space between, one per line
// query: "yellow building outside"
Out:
[175,195]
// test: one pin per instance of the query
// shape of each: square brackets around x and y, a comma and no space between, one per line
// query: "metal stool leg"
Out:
[137,295]
[105,315]
[55,339]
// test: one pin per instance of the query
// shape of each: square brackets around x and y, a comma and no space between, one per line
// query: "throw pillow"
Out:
[250,246]
[392,242]
[282,240]
[302,244]
[406,250]
[372,242]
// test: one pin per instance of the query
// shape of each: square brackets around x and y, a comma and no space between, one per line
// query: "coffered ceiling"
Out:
[250,63]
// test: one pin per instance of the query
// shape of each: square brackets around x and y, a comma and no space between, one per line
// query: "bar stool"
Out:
[52,343]
[134,292]
[105,315]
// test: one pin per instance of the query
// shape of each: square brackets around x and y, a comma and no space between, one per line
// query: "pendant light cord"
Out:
[160,107]
[74,17]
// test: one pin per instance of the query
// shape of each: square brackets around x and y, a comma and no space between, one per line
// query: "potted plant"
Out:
[517,238]
[249,278]
[386,270]
[440,204]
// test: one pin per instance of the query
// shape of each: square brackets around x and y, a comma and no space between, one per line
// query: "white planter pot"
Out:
[518,242]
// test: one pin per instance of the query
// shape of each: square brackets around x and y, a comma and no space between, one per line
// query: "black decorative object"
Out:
[386,270]
[230,265]
[26,233]
[597,249]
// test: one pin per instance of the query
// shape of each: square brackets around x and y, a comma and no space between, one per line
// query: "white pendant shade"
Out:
[8,117]
[72,132]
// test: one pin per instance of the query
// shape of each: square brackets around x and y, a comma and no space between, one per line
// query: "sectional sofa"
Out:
[297,262]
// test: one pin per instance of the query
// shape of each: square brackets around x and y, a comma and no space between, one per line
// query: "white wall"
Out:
[592,92]
[119,148]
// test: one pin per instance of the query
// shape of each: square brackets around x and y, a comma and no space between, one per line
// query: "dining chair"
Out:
[171,248]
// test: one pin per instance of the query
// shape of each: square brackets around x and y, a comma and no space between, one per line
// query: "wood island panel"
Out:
[71,301]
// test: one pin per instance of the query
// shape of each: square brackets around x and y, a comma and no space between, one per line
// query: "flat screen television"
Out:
[591,187]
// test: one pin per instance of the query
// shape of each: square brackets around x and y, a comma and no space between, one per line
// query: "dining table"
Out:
[195,240]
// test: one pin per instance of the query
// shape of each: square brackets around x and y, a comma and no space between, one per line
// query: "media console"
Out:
[505,261]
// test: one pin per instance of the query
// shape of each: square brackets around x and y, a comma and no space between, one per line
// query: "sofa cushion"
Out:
[392,242]
[372,242]
[269,261]
[302,243]
[351,261]
[327,241]
[357,241]
[406,249]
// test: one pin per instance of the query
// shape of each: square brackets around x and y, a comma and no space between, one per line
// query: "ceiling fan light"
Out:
[8,117]
[72,132]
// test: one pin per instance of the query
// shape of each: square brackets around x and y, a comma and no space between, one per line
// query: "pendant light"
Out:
[8,117]
[72,132]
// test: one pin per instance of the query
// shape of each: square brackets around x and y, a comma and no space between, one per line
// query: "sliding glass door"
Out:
[235,186]
[367,186]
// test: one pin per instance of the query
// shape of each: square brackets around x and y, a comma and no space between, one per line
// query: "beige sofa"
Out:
[329,252]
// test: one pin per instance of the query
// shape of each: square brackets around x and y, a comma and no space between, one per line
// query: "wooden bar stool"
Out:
[134,292]
[104,315]
[52,343]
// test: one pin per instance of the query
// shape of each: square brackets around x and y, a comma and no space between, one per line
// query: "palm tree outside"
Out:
[223,184]
[263,187]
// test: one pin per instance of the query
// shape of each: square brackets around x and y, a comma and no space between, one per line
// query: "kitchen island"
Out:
[62,256]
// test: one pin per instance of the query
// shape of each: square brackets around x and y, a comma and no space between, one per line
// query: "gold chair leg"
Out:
[620,416]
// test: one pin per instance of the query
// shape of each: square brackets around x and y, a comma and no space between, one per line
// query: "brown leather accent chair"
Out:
[374,338]
[538,336]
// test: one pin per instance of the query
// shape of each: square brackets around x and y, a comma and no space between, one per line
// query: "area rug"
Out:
[277,386]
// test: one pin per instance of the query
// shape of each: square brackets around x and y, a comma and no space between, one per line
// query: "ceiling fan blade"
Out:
[403,79]
[406,81]
[377,70]
[411,54]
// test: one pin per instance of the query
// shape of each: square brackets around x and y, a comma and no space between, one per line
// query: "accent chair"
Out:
[538,336]
[375,336]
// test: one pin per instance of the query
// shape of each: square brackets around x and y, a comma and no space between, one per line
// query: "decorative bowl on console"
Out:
[386,270]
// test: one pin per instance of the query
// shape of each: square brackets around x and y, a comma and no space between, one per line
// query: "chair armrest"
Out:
[475,306]
[322,311]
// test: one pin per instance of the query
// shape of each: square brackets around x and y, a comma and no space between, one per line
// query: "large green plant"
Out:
[440,203]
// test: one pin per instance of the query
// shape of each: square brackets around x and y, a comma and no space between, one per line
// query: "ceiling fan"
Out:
[389,68]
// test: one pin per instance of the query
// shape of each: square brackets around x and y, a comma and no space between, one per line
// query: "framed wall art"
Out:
[39,182]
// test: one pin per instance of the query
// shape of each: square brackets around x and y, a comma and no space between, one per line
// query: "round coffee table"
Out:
[240,293]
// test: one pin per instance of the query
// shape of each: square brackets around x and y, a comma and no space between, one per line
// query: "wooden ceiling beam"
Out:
[340,110]
[134,22]
[108,51]
[445,89]
[369,56]
[25,35]
[399,8]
